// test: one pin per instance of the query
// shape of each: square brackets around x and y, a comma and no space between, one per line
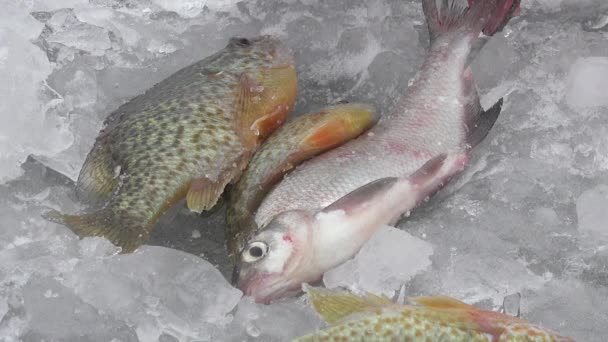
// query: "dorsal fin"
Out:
[334,306]
[442,302]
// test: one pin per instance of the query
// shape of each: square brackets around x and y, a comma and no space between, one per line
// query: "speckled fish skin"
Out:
[439,114]
[355,318]
[300,139]
[188,136]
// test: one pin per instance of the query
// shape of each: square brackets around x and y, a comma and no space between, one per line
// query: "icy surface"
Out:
[528,216]
[591,210]
[387,261]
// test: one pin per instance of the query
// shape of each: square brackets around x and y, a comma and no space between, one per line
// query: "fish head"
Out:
[275,262]
[265,51]
[268,84]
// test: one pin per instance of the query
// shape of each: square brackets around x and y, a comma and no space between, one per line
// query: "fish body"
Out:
[300,139]
[187,136]
[373,318]
[439,115]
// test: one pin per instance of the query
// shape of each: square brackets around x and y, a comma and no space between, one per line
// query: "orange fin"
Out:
[268,123]
[340,124]
[263,103]
[204,194]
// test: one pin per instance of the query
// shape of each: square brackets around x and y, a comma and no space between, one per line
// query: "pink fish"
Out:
[321,214]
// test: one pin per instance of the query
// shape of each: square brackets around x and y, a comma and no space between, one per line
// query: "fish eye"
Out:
[255,251]
[243,42]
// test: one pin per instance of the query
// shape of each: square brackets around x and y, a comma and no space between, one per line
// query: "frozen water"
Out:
[387,261]
[278,322]
[526,217]
[591,210]
[511,304]
[587,83]
[26,98]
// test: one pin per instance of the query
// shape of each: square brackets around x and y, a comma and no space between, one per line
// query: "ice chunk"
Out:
[158,290]
[56,313]
[16,18]
[587,83]
[68,30]
[591,210]
[510,304]
[25,98]
[388,260]
[280,321]
[192,8]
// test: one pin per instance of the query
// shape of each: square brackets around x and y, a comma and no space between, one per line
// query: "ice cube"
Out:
[388,260]
[26,98]
[587,83]
[157,289]
[510,305]
[64,316]
[591,210]
[280,321]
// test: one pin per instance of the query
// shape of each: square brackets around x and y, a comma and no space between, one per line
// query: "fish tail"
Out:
[121,229]
[487,16]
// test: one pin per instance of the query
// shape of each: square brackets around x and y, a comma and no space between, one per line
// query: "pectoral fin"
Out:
[360,198]
[263,103]
[204,193]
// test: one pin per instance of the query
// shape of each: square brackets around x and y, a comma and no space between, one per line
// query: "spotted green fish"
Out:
[373,318]
[188,136]
[300,139]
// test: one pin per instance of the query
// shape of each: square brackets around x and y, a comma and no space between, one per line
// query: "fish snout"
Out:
[264,288]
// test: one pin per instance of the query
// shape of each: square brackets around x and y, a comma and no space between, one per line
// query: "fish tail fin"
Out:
[335,306]
[120,228]
[483,124]
[487,16]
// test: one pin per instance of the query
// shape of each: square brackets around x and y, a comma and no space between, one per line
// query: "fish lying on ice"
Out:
[188,136]
[300,139]
[373,318]
[321,213]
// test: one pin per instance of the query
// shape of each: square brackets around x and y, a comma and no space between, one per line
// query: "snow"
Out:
[527,217]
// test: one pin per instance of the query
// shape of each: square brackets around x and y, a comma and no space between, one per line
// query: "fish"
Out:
[431,130]
[299,139]
[187,137]
[369,317]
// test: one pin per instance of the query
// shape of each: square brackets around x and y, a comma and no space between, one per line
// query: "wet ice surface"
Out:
[528,216]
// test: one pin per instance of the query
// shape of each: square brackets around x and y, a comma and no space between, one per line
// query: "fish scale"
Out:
[372,318]
[322,213]
[187,136]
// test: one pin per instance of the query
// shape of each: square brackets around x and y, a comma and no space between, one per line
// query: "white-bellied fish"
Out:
[300,139]
[321,213]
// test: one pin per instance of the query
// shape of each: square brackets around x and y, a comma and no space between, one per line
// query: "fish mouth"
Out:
[266,288]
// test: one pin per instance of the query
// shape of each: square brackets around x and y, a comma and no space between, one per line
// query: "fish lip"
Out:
[264,287]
